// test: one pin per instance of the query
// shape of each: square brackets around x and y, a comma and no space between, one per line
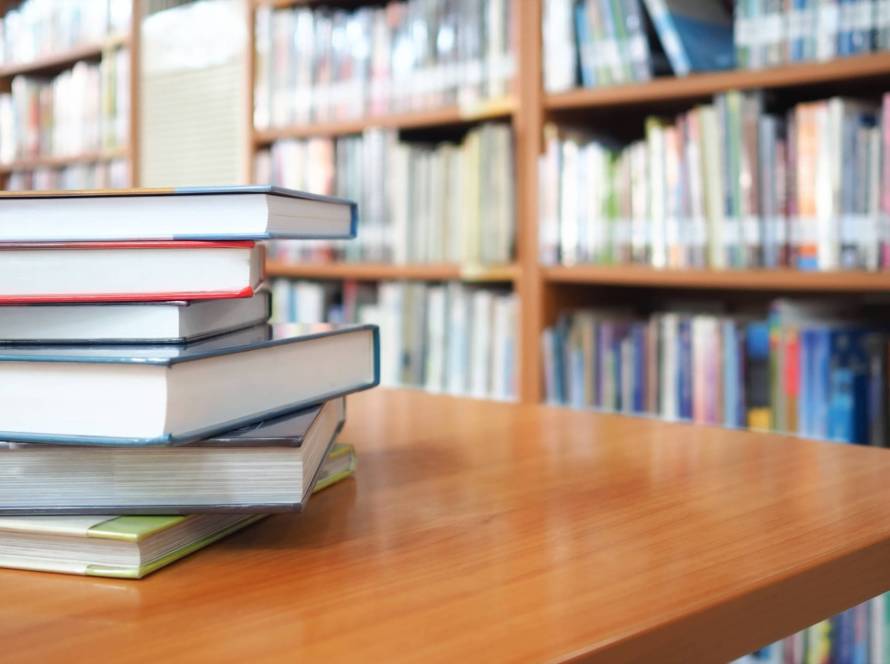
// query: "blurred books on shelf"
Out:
[84,109]
[318,64]
[725,185]
[36,28]
[803,368]
[444,337]
[113,174]
[420,202]
[768,34]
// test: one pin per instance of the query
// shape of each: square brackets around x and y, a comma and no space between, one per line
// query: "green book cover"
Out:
[339,465]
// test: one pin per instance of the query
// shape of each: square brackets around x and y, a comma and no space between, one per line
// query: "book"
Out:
[266,467]
[696,36]
[451,338]
[194,213]
[177,321]
[126,272]
[163,395]
[131,547]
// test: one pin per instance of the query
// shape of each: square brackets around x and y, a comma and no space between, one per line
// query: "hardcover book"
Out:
[267,467]
[177,321]
[130,547]
[162,395]
[195,213]
[128,272]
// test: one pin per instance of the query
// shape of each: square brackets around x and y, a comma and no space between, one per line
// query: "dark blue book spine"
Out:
[559,334]
[847,419]
[805,401]
[821,379]
[757,380]
[583,38]
[684,339]
[639,355]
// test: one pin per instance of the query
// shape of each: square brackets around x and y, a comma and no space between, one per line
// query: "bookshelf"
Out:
[56,62]
[544,290]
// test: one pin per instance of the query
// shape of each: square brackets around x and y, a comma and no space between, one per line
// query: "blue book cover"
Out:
[805,401]
[639,354]
[848,385]
[730,374]
[587,65]
[165,394]
[695,35]
[819,414]
[684,364]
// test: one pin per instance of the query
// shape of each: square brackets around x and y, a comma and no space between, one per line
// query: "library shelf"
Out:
[53,161]
[386,271]
[727,280]
[63,59]
[443,117]
[696,86]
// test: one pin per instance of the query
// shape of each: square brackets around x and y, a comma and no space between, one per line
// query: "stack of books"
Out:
[140,378]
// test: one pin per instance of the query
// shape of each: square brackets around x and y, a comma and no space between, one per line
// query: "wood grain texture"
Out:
[746,280]
[484,532]
[528,126]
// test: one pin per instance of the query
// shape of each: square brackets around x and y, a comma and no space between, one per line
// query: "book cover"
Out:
[339,465]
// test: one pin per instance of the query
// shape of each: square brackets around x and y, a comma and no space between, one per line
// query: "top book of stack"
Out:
[194,213]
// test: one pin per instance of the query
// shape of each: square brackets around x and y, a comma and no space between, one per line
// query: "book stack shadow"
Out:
[148,408]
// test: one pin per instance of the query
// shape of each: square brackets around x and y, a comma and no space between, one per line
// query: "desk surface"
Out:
[477,531]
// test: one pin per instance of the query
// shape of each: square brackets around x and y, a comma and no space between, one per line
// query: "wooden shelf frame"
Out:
[390,272]
[544,290]
[783,280]
[456,116]
[698,86]
[63,160]
[56,62]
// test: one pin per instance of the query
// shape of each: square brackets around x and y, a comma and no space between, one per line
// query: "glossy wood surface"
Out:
[484,532]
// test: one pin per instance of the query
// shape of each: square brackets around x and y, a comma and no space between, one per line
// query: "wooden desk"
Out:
[483,532]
